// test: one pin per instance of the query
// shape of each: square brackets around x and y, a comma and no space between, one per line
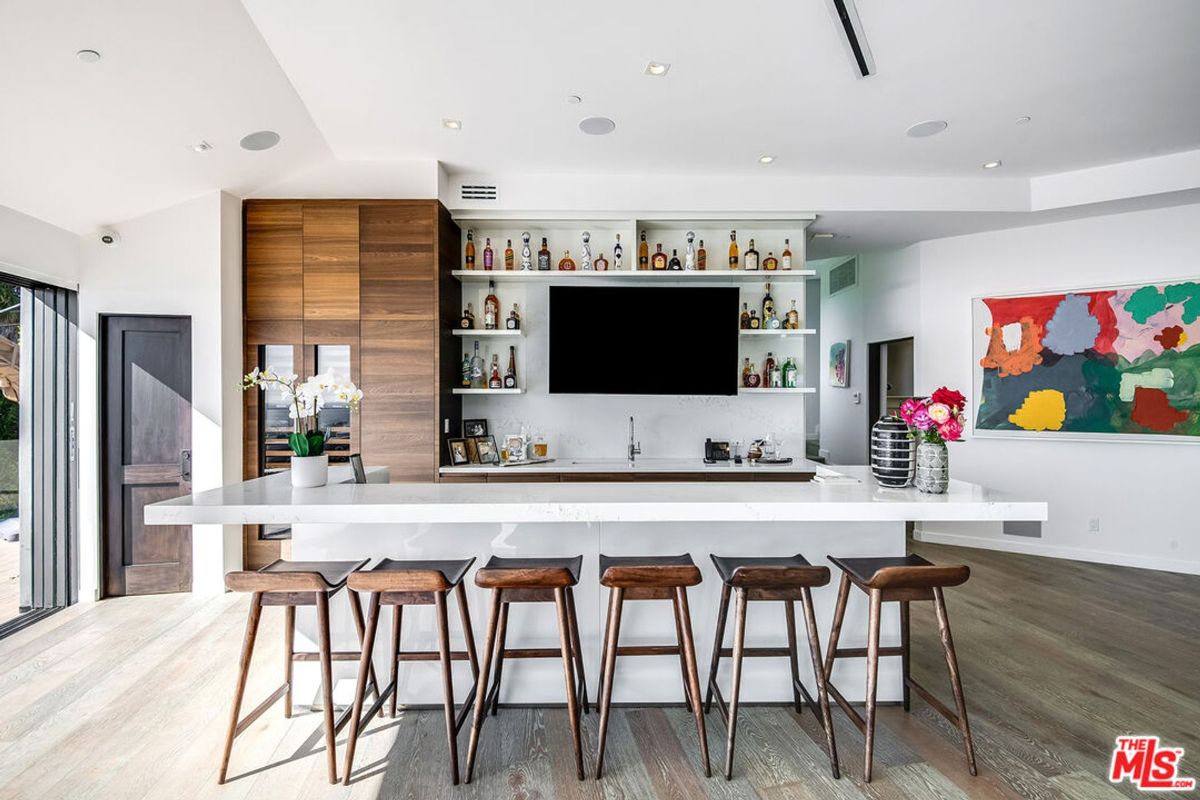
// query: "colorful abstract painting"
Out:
[839,364]
[1124,361]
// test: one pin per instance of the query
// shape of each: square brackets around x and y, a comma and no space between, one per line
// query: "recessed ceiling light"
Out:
[88,56]
[657,68]
[1024,119]
[260,140]
[930,127]
[765,159]
[200,147]
[574,99]
[822,235]
[597,126]
[992,164]
[452,124]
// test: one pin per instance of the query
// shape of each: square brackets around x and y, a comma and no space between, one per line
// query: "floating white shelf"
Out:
[580,276]
[760,390]
[497,332]
[780,332]
[487,391]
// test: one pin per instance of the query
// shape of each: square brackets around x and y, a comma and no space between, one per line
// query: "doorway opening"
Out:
[889,379]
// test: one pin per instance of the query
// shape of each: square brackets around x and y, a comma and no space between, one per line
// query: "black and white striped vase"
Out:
[893,450]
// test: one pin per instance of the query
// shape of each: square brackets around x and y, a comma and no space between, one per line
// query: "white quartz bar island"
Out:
[426,521]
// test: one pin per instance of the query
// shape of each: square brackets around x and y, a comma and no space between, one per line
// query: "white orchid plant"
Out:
[305,399]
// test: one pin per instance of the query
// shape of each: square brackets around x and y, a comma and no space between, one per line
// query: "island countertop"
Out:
[641,465]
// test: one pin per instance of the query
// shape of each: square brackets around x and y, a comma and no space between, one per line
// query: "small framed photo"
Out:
[458,452]
[485,447]
[474,427]
[472,451]
[360,472]
[514,443]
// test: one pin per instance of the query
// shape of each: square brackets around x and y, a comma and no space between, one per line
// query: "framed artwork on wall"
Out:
[839,364]
[1119,362]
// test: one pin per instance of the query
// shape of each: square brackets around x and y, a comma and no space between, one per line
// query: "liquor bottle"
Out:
[508,256]
[751,257]
[768,370]
[510,377]
[466,371]
[601,264]
[618,254]
[776,381]
[689,254]
[658,261]
[643,253]
[773,322]
[585,253]
[768,304]
[467,322]
[701,257]
[674,264]
[753,379]
[733,250]
[747,369]
[477,378]
[491,308]
[494,380]
[744,320]
[755,322]
[526,253]
[470,251]
[793,318]
[513,323]
[488,256]
[544,257]
[770,263]
[787,254]
[790,374]
[566,264]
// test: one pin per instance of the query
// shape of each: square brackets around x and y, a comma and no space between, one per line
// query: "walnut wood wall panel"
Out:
[399,414]
[397,271]
[331,279]
[274,260]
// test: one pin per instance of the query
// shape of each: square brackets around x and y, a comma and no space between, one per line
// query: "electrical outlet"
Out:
[1094,525]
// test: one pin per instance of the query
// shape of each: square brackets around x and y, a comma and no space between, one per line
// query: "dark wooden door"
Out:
[146,419]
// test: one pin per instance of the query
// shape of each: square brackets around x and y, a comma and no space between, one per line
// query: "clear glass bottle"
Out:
[787,254]
[733,250]
[513,323]
[478,380]
[643,253]
[618,254]
[494,380]
[689,253]
[566,263]
[470,259]
[701,257]
[510,376]
[526,253]
[673,265]
[508,256]
[768,370]
[793,318]
[488,256]
[751,257]
[544,257]
[658,261]
[585,253]
[491,308]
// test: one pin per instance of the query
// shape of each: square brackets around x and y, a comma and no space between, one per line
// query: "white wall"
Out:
[183,260]
[37,250]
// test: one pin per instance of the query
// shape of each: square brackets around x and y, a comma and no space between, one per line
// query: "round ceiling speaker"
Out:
[597,126]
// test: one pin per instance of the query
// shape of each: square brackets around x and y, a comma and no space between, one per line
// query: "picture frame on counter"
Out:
[472,450]
[488,452]
[458,452]
[474,428]
[514,444]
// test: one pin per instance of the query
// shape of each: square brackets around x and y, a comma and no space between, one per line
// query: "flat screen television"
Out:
[666,340]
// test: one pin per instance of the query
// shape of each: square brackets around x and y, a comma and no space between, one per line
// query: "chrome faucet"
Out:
[635,450]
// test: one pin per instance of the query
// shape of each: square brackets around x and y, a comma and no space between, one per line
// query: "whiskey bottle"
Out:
[776,381]
[770,263]
[733,250]
[747,369]
[601,264]
[793,318]
[566,263]
[467,322]
[470,251]
[508,256]
[491,308]
[513,323]
[494,380]
[510,377]
[790,374]
[787,254]
[618,254]
[487,254]
[466,371]
[477,377]
[755,322]
[674,264]
[744,320]
[689,254]
[751,257]
[753,379]
[585,253]
[544,257]
[701,257]
[643,253]
[658,261]
[526,253]
[768,371]
[768,304]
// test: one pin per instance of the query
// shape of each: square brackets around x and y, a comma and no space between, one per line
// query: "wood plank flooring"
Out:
[128,699]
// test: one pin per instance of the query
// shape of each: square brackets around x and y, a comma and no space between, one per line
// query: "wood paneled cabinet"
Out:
[372,276]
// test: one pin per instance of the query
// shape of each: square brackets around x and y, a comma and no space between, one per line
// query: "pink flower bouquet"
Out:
[939,418]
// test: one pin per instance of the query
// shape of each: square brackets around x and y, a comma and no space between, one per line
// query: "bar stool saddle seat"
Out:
[768,570]
[451,571]
[901,572]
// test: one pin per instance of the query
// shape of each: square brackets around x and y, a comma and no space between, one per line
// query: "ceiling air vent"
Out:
[477,191]
[843,276]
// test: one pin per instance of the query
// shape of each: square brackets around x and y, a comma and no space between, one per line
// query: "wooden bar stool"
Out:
[411,583]
[290,584]
[785,579]
[650,578]
[530,580]
[902,579]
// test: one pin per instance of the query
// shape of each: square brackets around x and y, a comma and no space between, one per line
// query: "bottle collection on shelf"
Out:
[774,375]
[477,374]
[491,314]
[751,321]
[542,260]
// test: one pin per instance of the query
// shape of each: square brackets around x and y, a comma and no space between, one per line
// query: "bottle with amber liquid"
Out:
[768,305]
[787,254]
[673,265]
[747,369]
[658,261]
[770,263]
[701,257]
[513,323]
[751,257]
[744,320]
[793,318]
[566,263]
[733,250]
[751,379]
[755,322]
[491,308]
[470,251]
[510,377]
[467,323]
[494,380]
[508,256]
[618,254]
[488,256]
[768,370]
[544,257]
[601,263]
[643,253]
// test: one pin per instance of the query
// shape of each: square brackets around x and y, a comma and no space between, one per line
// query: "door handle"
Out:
[185,466]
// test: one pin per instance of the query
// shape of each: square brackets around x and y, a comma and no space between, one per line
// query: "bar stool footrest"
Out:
[260,709]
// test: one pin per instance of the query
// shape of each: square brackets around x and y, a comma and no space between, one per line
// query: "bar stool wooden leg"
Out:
[243,673]
[481,684]
[360,692]
[326,657]
[289,652]
[835,632]
[814,649]
[718,640]
[439,600]
[683,670]
[397,622]
[564,638]
[501,644]
[357,613]
[960,702]
[616,598]
[577,649]
[904,651]
[872,680]
[692,686]
[464,614]
[793,658]
[739,646]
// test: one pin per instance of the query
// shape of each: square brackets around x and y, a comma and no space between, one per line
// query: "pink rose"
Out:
[940,412]
[951,430]
[908,408]
[921,419]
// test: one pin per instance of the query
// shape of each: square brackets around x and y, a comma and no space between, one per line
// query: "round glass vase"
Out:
[309,472]
[933,467]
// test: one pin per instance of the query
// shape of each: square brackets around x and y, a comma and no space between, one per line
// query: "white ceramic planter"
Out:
[310,471]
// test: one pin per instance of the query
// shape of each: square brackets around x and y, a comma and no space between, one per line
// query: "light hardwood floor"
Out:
[128,699]
[10,586]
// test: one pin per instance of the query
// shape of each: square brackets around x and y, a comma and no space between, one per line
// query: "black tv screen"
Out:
[643,340]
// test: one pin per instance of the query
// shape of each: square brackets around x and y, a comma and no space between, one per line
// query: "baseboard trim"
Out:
[1034,548]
